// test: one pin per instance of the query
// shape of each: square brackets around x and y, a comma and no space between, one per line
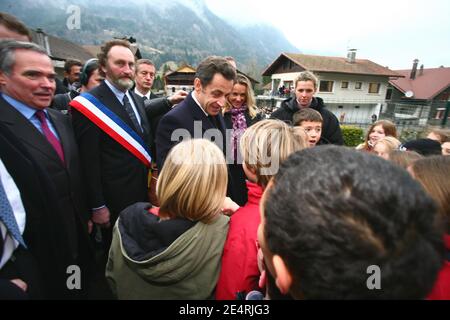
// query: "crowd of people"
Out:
[196,196]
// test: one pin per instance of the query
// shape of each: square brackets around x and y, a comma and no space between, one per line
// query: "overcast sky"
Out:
[389,32]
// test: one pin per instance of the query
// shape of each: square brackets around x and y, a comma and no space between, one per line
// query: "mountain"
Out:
[177,30]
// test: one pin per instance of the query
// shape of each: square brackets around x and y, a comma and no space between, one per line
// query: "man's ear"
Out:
[2,79]
[283,278]
[103,69]
[197,85]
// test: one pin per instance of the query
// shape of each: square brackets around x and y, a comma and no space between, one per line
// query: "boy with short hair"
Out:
[338,231]
[310,120]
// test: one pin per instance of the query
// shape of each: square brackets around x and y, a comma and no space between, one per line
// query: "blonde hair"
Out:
[404,158]
[193,181]
[250,100]
[307,76]
[391,143]
[266,144]
[442,134]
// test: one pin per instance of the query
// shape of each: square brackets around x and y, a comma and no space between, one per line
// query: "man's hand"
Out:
[22,285]
[178,97]
[101,217]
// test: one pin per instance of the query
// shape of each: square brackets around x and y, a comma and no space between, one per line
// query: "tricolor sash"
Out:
[112,125]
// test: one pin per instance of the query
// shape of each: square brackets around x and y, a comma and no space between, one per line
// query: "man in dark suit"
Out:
[116,178]
[200,110]
[27,81]
[155,108]
[42,265]
[199,115]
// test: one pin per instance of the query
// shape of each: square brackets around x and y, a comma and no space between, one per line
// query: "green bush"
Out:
[353,136]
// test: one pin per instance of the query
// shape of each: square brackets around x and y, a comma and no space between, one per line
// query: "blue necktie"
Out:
[8,218]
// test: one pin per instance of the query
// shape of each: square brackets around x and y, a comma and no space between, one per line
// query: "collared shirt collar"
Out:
[119,94]
[26,111]
[198,103]
[142,95]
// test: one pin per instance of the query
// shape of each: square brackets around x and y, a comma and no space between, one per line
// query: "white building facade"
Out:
[354,90]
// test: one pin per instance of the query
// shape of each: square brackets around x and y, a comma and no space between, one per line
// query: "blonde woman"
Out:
[174,253]
[239,113]
[264,147]
[378,130]
[385,145]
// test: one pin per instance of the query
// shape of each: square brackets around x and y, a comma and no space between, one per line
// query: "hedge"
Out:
[353,136]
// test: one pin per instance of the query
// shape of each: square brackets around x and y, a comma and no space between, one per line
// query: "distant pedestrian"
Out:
[374,118]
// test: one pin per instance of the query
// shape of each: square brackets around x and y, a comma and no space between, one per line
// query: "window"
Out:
[389,94]
[356,107]
[344,85]
[326,86]
[374,88]
[358,85]
[289,84]
[340,107]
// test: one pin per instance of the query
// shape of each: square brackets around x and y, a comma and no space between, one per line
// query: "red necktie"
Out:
[49,134]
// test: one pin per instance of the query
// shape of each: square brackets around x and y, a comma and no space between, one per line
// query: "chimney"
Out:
[421,70]
[414,69]
[351,56]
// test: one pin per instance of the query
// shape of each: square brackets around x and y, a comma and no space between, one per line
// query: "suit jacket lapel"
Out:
[25,130]
[139,103]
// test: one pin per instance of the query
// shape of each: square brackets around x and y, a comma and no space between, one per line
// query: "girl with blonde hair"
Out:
[174,253]
[385,145]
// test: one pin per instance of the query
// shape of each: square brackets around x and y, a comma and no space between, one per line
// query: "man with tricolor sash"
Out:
[113,135]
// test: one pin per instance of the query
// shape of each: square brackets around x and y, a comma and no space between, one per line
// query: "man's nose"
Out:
[127,69]
[47,83]
[221,101]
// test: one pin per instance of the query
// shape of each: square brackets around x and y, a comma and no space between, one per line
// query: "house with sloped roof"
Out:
[60,50]
[421,92]
[180,79]
[353,89]
[183,79]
